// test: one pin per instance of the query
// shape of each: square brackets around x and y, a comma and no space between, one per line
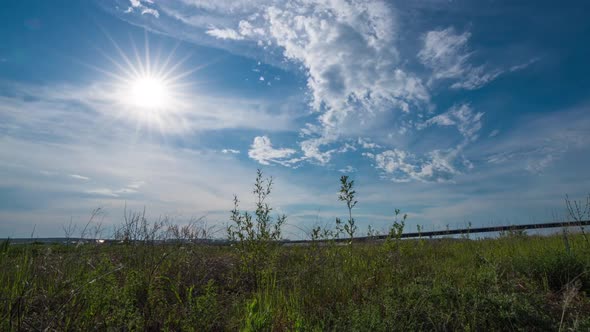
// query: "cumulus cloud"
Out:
[348,50]
[355,76]
[141,6]
[446,52]
[262,151]
[353,66]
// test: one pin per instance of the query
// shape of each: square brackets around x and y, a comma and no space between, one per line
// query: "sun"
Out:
[149,88]
[149,92]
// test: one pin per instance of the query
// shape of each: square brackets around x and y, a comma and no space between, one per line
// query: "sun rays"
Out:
[147,89]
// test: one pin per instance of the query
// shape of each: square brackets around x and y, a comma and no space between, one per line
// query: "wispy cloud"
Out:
[79,177]
[538,142]
[131,188]
[102,192]
[402,166]
[437,165]
[347,169]
[447,53]
[462,116]
[99,103]
[524,65]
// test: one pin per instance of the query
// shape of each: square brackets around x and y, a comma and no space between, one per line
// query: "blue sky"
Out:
[452,111]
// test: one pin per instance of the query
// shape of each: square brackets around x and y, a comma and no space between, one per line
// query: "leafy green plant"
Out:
[255,235]
[397,228]
[203,309]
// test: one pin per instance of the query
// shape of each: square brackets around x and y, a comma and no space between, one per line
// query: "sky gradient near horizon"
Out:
[452,111]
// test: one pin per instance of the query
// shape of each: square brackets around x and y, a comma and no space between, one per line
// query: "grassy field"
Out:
[510,283]
[143,282]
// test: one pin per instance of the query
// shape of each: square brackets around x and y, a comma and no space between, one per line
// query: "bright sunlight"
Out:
[149,92]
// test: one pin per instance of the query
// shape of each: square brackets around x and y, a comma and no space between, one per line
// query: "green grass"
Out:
[508,284]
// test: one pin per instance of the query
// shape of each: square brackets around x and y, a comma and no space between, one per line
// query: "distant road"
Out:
[475,230]
[467,231]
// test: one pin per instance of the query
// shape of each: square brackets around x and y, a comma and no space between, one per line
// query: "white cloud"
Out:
[354,72]
[536,143]
[136,185]
[102,192]
[356,80]
[347,169]
[403,166]
[230,151]
[538,165]
[311,150]
[225,34]
[347,48]
[439,165]
[367,144]
[262,151]
[79,177]
[143,9]
[132,188]
[446,52]
[468,123]
[523,65]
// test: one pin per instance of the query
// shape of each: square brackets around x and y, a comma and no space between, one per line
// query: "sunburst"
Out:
[149,92]
[146,90]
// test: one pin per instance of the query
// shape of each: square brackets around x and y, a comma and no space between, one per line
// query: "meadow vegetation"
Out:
[510,283]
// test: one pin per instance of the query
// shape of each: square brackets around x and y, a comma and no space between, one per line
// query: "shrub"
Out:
[255,236]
